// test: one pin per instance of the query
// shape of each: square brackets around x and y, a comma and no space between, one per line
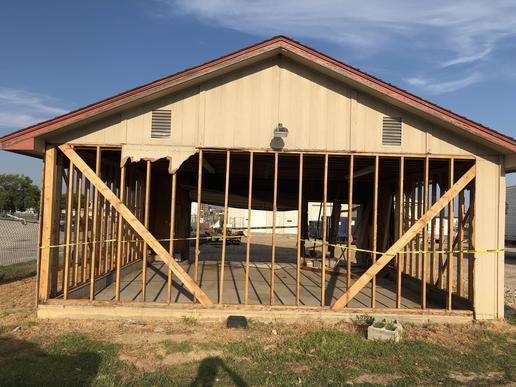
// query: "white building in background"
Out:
[510,214]
[261,220]
[286,221]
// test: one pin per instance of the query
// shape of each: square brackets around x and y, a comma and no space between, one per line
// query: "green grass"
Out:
[318,357]
[511,319]
[17,271]
[174,346]
[7,328]
[10,327]
[190,321]
[71,361]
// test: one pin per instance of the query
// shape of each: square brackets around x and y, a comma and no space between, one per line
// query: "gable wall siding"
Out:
[241,110]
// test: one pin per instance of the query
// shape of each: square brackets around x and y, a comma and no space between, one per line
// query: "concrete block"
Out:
[380,332]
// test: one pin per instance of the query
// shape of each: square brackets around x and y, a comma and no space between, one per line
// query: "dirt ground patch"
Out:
[381,380]
[471,377]
[157,357]
[17,312]
[17,301]
[458,337]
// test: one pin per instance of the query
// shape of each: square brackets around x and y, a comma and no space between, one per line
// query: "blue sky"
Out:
[57,56]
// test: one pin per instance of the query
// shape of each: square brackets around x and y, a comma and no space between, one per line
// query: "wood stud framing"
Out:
[299,227]
[451,218]
[460,246]
[350,221]
[172,234]
[68,231]
[248,242]
[198,217]
[274,210]
[119,236]
[224,227]
[114,238]
[98,158]
[433,236]
[324,226]
[86,247]
[375,228]
[146,224]
[135,224]
[424,262]
[472,257]
[401,258]
[445,199]
[442,243]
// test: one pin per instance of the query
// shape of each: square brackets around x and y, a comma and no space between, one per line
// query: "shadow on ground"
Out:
[208,370]
[25,364]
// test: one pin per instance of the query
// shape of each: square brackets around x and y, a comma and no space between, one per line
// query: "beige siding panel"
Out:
[502,192]
[366,133]
[414,135]
[135,129]
[488,276]
[418,135]
[184,106]
[240,109]
[442,141]
[108,131]
[314,108]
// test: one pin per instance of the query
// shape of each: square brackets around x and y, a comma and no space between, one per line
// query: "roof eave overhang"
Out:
[20,141]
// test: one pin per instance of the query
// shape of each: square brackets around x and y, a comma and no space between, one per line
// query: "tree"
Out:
[18,193]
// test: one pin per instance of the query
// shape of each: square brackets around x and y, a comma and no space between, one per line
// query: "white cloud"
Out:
[446,33]
[468,29]
[19,108]
[439,87]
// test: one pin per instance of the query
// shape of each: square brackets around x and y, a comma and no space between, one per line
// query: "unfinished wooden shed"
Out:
[272,127]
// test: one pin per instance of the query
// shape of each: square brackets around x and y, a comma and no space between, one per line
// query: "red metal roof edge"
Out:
[496,137]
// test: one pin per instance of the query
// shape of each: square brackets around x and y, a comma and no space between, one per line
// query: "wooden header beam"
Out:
[136,224]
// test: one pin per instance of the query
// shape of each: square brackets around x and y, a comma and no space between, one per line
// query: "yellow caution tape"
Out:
[138,240]
[346,247]
[476,251]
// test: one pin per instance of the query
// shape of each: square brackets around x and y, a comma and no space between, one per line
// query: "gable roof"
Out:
[24,140]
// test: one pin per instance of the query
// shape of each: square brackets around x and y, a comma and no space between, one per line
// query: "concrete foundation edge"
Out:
[77,312]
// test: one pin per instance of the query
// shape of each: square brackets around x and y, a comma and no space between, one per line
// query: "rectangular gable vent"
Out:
[161,123]
[391,131]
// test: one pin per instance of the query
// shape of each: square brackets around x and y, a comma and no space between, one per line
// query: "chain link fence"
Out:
[18,238]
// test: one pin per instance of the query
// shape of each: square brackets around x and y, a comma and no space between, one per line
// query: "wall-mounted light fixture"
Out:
[280,132]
